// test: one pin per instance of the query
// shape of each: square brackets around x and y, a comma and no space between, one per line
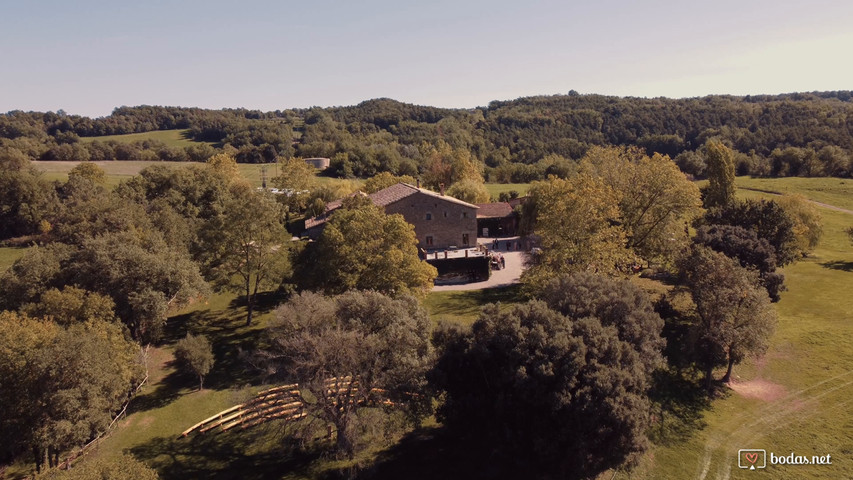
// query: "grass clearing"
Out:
[463,307]
[172,138]
[496,189]
[829,190]
[8,255]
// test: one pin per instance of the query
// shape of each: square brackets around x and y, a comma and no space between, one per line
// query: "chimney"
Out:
[419,183]
[441,186]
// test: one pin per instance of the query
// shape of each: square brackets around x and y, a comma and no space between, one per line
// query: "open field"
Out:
[8,255]
[496,189]
[172,138]
[832,191]
[798,397]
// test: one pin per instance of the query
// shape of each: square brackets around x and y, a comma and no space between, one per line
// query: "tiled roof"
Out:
[397,192]
[494,210]
[383,198]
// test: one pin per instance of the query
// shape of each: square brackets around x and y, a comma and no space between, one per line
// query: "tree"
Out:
[542,394]
[195,354]
[578,221]
[469,191]
[446,165]
[89,171]
[27,201]
[72,305]
[748,249]
[297,179]
[720,191]
[351,353]
[655,199]
[764,217]
[734,316]
[61,385]
[385,180]
[615,303]
[142,275]
[806,219]
[250,245]
[362,248]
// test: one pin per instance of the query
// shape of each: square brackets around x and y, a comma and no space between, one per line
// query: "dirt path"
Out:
[814,202]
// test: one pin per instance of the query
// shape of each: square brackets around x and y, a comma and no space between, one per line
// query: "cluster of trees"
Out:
[515,141]
[107,269]
[621,209]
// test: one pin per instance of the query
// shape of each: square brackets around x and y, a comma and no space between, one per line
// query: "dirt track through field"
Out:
[746,427]
[814,202]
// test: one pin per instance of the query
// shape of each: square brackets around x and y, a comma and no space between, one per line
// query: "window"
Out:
[429,240]
[429,216]
[464,214]
[445,214]
[465,239]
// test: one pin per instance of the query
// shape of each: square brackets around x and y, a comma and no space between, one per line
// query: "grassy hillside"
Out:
[172,138]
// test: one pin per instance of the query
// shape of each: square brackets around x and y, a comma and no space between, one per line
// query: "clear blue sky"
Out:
[87,57]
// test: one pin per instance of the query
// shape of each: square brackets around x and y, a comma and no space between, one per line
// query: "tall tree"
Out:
[578,220]
[806,220]
[62,386]
[655,199]
[250,245]
[720,191]
[350,353]
[735,317]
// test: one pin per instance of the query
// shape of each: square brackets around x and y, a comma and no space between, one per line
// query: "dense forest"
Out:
[800,134]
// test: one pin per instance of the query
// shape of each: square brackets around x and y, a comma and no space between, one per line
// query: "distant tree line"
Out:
[802,134]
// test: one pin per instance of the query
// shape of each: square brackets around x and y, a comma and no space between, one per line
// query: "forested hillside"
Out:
[800,134]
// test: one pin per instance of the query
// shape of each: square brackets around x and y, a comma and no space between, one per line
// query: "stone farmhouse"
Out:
[441,222]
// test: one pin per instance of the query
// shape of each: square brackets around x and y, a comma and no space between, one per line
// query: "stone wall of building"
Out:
[442,222]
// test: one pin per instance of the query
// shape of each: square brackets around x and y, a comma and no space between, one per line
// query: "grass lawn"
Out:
[496,189]
[172,138]
[833,191]
[464,307]
[798,397]
[8,255]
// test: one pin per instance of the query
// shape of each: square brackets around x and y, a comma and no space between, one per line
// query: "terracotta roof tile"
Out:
[494,210]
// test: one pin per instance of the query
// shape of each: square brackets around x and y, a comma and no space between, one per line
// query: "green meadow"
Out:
[171,138]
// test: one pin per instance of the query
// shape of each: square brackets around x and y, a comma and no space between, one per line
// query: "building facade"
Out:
[441,222]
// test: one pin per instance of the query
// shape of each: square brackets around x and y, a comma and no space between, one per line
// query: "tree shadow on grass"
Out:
[166,391]
[242,454]
[838,265]
[430,453]
[679,403]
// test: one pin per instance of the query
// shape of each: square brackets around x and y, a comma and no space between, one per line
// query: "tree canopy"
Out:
[545,394]
[352,353]
[362,248]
